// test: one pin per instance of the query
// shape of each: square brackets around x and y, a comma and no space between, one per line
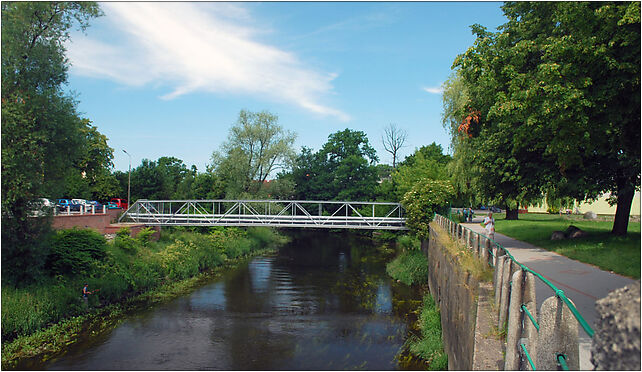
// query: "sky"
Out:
[170,78]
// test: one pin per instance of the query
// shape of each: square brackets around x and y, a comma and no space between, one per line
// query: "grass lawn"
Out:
[600,248]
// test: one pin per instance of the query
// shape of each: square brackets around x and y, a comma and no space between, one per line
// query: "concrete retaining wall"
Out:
[463,325]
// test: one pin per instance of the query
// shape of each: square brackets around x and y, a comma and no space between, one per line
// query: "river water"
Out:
[323,302]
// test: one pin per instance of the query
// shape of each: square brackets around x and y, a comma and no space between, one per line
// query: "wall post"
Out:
[499,270]
[505,296]
[529,331]
[558,334]
[511,359]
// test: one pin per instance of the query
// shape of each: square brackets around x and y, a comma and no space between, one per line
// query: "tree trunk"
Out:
[512,214]
[625,195]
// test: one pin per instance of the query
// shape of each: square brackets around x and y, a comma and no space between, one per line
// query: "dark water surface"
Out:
[324,302]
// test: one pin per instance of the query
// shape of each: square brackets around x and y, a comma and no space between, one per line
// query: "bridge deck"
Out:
[274,213]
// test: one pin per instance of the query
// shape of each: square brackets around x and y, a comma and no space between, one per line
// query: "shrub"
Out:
[126,243]
[430,346]
[75,251]
[410,267]
[123,231]
[424,199]
[408,243]
[145,235]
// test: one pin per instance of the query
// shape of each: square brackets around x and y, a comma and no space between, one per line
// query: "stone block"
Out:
[616,343]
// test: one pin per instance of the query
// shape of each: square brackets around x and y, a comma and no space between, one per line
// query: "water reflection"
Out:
[323,302]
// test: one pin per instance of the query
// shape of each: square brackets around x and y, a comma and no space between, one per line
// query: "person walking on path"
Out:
[489,224]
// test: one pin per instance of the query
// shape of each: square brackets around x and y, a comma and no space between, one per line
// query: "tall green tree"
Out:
[41,130]
[256,147]
[427,162]
[90,177]
[557,90]
[343,169]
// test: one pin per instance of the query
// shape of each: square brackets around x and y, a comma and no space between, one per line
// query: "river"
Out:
[323,302]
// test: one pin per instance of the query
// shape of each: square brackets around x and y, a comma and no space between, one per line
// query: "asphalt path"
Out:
[584,284]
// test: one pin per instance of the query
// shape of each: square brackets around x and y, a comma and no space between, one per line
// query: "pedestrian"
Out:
[471,213]
[85,295]
[489,224]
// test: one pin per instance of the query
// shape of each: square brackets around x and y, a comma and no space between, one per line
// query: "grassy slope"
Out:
[600,248]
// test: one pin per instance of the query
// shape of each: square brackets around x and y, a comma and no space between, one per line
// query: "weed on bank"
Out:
[118,270]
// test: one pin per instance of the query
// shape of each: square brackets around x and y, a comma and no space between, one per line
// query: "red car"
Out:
[120,203]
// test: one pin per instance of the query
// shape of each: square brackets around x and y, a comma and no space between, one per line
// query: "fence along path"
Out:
[275,213]
[531,286]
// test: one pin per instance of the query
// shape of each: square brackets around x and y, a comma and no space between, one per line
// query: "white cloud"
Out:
[434,90]
[197,47]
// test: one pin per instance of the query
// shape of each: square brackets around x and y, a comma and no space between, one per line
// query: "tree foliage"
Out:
[557,89]
[256,146]
[343,169]
[41,130]
[427,162]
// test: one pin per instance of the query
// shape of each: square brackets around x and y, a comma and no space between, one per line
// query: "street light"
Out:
[129,181]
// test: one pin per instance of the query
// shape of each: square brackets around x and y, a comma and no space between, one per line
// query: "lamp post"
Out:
[129,180]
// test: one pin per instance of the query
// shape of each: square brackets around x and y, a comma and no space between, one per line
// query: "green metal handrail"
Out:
[561,360]
[558,292]
[528,357]
[530,316]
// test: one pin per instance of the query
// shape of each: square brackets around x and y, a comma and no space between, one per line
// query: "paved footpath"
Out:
[584,284]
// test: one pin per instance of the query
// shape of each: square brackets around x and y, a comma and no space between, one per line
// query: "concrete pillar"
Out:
[558,334]
[499,270]
[529,330]
[511,359]
[521,329]
[483,251]
[505,296]
[68,210]
[93,209]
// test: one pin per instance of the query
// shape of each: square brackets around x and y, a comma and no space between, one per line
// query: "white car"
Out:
[43,207]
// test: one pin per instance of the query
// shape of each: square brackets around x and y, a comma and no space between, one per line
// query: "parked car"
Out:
[495,210]
[82,202]
[112,205]
[42,207]
[98,207]
[121,203]
[64,203]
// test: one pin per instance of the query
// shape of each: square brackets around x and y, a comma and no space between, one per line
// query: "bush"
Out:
[430,346]
[116,272]
[410,267]
[145,235]
[424,199]
[75,251]
[408,243]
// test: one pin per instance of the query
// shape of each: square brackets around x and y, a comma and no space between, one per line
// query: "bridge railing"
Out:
[549,341]
[278,213]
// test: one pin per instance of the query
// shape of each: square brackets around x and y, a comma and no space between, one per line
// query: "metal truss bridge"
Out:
[273,213]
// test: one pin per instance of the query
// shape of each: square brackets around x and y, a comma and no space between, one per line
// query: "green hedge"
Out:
[119,269]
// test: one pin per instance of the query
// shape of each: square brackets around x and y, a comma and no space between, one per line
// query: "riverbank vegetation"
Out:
[429,346]
[118,270]
[620,254]
[411,268]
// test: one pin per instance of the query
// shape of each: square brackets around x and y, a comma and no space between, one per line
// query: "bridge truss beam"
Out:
[273,213]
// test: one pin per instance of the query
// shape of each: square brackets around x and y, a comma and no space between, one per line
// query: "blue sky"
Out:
[169,79]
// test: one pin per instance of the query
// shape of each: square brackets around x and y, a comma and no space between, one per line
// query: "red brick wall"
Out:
[98,222]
